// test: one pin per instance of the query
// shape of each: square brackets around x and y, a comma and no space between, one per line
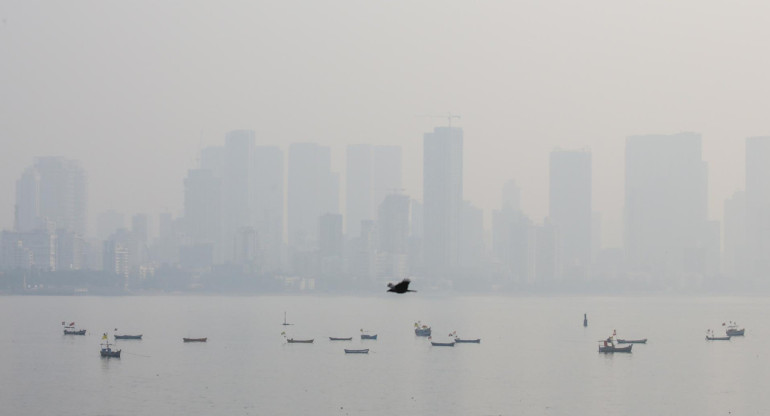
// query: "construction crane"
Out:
[447,116]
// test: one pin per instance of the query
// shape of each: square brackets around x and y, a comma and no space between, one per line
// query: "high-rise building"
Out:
[330,235]
[28,201]
[313,190]
[267,205]
[358,188]
[373,172]
[735,251]
[386,173]
[393,224]
[442,199]
[513,236]
[237,187]
[52,194]
[202,209]
[758,207]
[472,248]
[665,203]
[570,210]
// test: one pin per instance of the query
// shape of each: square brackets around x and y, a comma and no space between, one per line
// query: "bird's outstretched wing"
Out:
[403,285]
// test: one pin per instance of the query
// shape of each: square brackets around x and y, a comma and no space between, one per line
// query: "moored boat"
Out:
[612,348]
[106,350]
[632,341]
[442,344]
[128,336]
[733,331]
[70,329]
[299,341]
[194,339]
[421,330]
[608,345]
[363,351]
[340,339]
[366,336]
[464,341]
[710,336]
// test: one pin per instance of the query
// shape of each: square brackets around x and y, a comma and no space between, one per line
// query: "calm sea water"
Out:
[535,357]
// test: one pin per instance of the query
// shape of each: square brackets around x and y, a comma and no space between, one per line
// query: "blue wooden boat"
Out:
[468,341]
[442,344]
[365,336]
[128,336]
[364,351]
[340,339]
[74,331]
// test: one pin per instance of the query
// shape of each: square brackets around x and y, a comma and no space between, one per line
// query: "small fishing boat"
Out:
[364,351]
[442,344]
[299,341]
[733,331]
[464,341]
[710,336]
[632,341]
[70,329]
[106,350]
[340,339]
[585,320]
[194,339]
[128,336]
[609,345]
[612,348]
[421,330]
[284,320]
[366,336]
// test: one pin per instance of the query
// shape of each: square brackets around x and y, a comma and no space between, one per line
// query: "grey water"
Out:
[535,356]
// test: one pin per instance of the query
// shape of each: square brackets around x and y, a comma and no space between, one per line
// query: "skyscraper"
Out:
[202,208]
[52,194]
[313,190]
[358,188]
[373,172]
[442,198]
[237,187]
[735,252]
[758,207]
[267,205]
[570,210]
[665,202]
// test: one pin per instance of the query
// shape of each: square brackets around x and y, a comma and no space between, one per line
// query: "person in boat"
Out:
[608,342]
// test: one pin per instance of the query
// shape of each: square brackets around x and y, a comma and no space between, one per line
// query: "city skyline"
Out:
[235,215]
[529,90]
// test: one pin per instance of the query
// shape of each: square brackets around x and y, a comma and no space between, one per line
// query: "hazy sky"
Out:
[134,89]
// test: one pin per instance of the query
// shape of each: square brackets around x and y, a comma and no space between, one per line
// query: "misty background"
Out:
[135,91]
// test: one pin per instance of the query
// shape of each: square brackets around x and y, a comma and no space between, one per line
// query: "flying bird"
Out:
[401,287]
